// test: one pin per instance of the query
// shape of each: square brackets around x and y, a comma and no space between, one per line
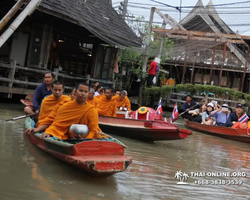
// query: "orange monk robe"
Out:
[106,107]
[124,103]
[52,115]
[73,113]
[47,106]
[99,96]
[92,101]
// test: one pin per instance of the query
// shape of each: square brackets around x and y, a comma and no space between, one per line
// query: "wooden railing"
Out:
[11,79]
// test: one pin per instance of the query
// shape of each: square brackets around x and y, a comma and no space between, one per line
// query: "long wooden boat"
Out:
[142,129]
[102,157]
[224,132]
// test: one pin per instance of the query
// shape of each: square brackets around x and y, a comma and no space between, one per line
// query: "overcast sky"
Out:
[236,16]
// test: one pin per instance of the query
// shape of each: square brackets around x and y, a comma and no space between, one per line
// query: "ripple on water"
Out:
[28,173]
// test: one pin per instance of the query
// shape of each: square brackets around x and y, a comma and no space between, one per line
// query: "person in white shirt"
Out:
[98,90]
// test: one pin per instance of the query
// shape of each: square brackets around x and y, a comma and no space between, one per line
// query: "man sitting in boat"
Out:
[186,107]
[221,115]
[46,122]
[234,116]
[50,101]
[122,101]
[75,112]
[107,105]
[91,99]
[41,91]
[117,92]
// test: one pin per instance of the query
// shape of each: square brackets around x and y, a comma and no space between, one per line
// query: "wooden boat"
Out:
[102,157]
[224,132]
[142,129]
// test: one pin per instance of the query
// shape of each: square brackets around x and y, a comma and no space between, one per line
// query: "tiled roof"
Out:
[97,16]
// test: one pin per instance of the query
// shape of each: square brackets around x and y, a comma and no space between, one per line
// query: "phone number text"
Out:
[218,182]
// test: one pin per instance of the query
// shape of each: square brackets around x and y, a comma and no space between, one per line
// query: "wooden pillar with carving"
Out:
[245,70]
[222,63]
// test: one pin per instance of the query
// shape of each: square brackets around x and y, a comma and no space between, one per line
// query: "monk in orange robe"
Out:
[107,105]
[51,101]
[91,99]
[75,112]
[122,101]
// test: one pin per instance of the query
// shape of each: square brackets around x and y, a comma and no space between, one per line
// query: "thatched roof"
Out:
[97,16]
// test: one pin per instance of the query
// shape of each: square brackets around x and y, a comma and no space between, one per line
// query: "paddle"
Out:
[173,120]
[19,117]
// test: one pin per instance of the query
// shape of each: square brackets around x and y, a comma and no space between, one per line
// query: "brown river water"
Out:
[27,173]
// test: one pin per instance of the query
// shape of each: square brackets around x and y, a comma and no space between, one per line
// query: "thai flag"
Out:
[159,108]
[175,112]
[243,118]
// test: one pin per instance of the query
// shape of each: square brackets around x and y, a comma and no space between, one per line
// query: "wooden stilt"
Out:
[245,70]
[222,63]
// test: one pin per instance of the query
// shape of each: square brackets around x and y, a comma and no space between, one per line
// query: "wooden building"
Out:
[207,51]
[77,39]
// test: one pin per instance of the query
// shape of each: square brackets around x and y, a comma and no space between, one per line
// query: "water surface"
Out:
[27,173]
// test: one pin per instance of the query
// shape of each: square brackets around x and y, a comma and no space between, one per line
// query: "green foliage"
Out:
[166,90]
[155,91]
[199,88]
[238,95]
[188,88]
[247,98]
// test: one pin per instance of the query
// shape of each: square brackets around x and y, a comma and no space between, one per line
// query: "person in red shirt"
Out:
[151,71]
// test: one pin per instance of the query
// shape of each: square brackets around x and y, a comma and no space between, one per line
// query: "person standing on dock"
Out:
[151,71]
[41,91]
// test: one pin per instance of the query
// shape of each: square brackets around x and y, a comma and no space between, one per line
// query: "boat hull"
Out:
[240,135]
[94,157]
[136,129]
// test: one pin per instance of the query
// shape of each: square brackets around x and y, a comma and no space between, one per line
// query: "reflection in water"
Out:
[28,173]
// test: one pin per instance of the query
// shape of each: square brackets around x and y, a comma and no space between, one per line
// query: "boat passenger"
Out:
[206,119]
[107,105]
[98,90]
[75,112]
[197,113]
[117,92]
[221,115]
[233,117]
[52,100]
[91,99]
[125,92]
[122,101]
[95,85]
[186,107]
[41,91]
[45,123]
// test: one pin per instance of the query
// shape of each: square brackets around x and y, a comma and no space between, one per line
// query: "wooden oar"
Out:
[17,118]
[173,120]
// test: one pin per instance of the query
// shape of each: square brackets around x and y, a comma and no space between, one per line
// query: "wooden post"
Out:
[145,61]
[222,63]
[185,61]
[88,77]
[125,7]
[12,73]
[245,70]
[160,51]
[192,73]
[11,13]
[56,72]
[212,64]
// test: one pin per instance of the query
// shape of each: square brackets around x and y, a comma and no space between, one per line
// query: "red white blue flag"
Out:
[159,108]
[243,118]
[175,112]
